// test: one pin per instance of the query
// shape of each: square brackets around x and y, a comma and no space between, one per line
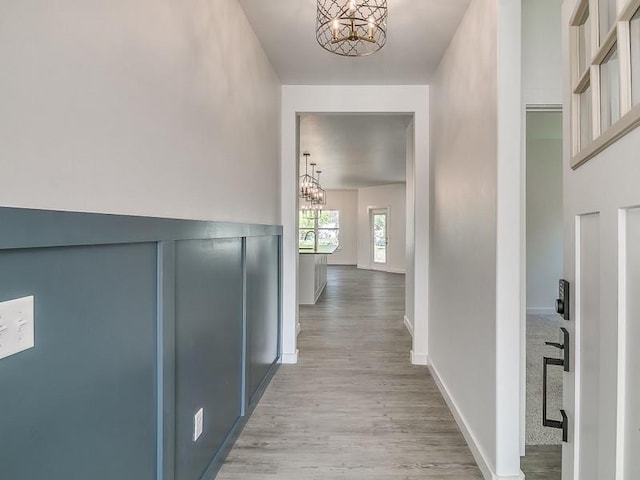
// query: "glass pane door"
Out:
[380,236]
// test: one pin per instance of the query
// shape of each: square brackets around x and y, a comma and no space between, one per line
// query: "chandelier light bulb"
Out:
[335,29]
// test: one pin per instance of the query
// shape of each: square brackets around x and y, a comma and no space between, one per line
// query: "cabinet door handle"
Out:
[546,422]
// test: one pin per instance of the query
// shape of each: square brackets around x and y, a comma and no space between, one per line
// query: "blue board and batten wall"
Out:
[139,322]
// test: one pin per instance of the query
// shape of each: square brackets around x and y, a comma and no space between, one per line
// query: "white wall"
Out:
[541,52]
[142,107]
[544,210]
[393,197]
[474,326]
[462,312]
[346,201]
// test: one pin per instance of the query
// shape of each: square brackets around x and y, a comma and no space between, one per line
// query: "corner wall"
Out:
[475,232]
[462,312]
[146,108]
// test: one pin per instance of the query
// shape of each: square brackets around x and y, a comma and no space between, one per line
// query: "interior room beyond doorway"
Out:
[544,267]
[362,165]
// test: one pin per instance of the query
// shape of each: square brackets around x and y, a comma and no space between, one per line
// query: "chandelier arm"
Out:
[344,39]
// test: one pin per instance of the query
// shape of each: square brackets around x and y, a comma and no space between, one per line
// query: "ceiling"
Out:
[418,33]
[355,151]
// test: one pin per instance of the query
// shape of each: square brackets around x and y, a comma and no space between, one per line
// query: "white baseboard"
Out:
[540,311]
[298,328]
[477,452]
[289,358]
[386,270]
[394,270]
[419,359]
[408,325]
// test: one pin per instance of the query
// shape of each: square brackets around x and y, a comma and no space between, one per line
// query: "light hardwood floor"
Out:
[354,407]
[542,462]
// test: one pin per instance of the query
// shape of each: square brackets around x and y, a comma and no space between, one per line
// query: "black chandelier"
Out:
[310,189]
[352,28]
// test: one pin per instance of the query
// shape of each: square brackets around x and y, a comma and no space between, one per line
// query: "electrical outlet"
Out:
[16,326]
[198,424]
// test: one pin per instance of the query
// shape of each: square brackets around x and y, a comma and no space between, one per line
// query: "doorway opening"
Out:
[366,162]
[544,266]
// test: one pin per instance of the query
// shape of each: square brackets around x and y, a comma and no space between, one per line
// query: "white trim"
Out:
[392,270]
[479,456]
[289,358]
[385,269]
[509,252]
[335,99]
[622,345]
[419,358]
[408,325]
[298,328]
[577,342]
[541,311]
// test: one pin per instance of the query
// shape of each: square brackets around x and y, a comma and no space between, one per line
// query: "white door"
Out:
[379,237]
[602,247]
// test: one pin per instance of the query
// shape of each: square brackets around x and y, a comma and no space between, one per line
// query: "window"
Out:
[610,89]
[586,122]
[634,31]
[584,43]
[324,224]
[608,16]
[605,56]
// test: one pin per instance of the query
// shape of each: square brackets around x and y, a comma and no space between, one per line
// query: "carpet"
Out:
[540,329]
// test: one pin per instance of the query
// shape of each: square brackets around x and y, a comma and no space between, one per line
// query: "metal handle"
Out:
[564,347]
[546,422]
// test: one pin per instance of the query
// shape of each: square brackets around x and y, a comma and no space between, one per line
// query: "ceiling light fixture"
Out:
[311,191]
[352,28]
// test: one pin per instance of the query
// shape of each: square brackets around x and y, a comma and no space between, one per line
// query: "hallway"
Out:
[354,407]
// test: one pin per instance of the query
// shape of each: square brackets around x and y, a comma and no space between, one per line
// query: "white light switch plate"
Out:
[198,424]
[16,326]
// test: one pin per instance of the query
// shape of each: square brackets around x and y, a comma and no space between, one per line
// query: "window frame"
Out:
[600,47]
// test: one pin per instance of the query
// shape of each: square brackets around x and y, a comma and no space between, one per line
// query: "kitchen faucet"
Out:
[315,239]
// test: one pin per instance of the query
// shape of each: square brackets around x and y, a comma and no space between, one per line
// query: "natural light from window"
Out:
[321,224]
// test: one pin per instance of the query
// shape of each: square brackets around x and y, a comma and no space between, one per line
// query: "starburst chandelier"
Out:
[352,28]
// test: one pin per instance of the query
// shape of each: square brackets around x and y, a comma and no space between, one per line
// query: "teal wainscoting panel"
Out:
[209,303]
[82,403]
[262,267]
[139,322]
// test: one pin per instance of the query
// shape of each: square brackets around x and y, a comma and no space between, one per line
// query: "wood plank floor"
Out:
[542,462]
[354,407]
